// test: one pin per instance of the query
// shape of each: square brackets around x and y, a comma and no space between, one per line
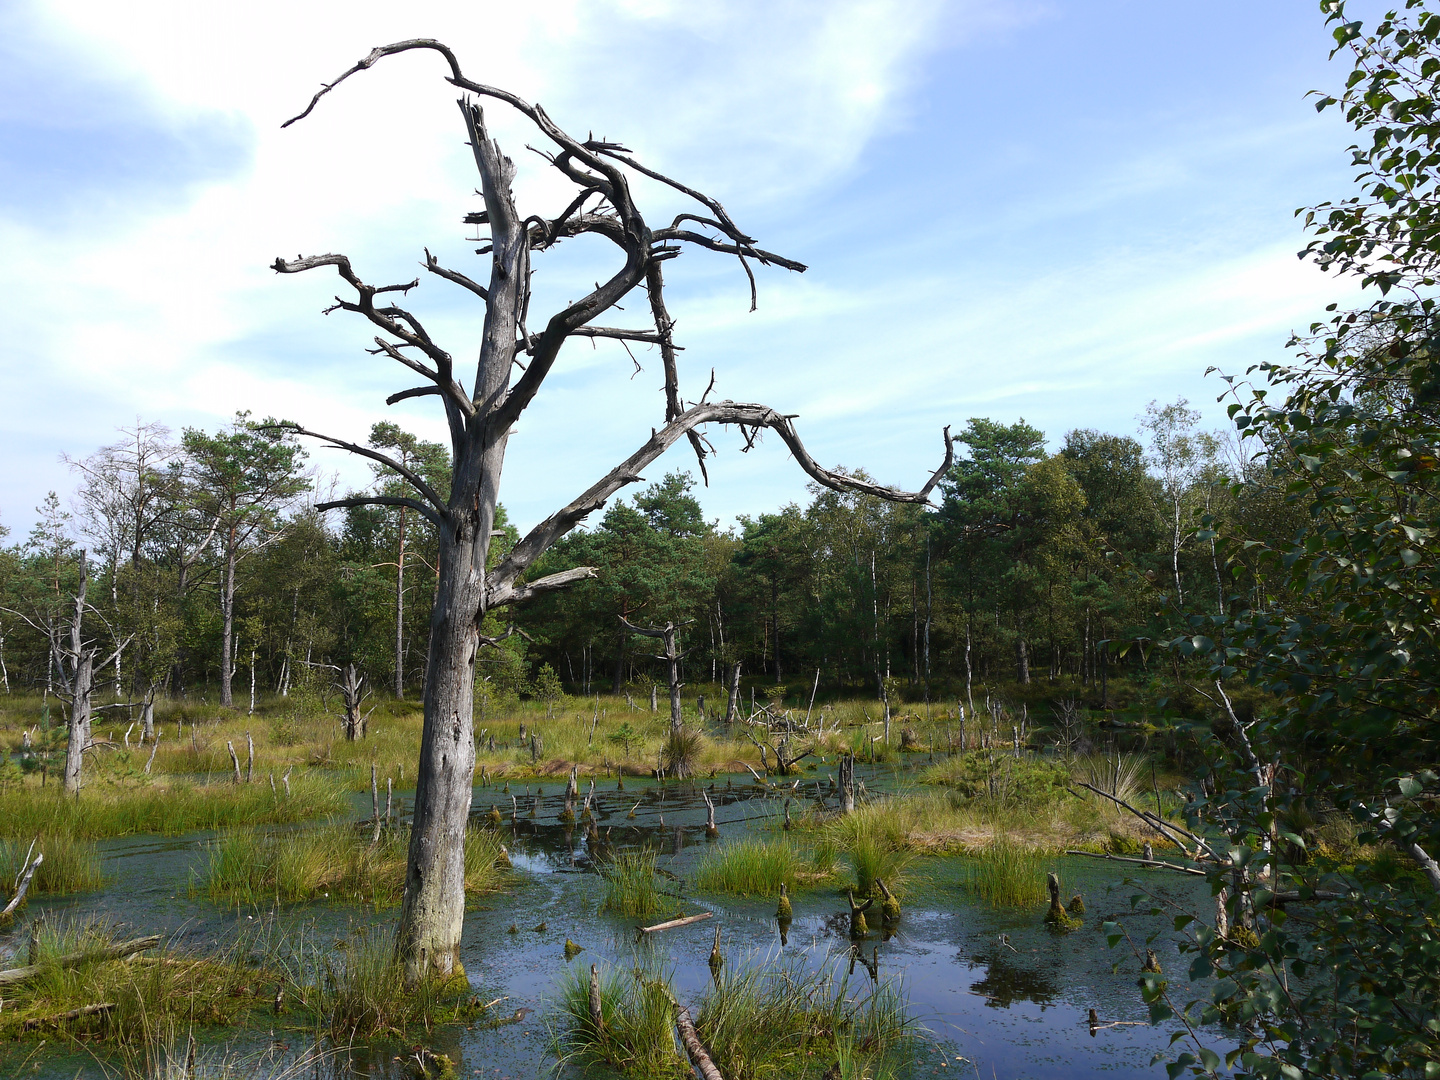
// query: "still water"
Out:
[998,995]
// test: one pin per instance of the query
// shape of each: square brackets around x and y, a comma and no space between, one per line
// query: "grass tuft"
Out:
[634,1038]
[758,866]
[69,866]
[1004,874]
[631,885]
[334,861]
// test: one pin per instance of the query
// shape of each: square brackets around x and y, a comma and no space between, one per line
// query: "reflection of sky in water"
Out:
[993,987]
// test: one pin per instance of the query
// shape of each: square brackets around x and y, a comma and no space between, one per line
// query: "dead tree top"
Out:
[483,416]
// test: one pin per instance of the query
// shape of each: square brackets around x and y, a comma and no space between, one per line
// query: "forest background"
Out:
[207,550]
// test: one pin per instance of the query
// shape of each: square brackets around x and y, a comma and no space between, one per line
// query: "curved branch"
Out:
[534,544]
[383,500]
[528,590]
[413,478]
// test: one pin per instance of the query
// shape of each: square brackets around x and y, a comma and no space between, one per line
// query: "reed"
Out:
[773,1021]
[1004,874]
[631,885]
[758,866]
[334,861]
[149,995]
[166,809]
[635,1036]
[70,865]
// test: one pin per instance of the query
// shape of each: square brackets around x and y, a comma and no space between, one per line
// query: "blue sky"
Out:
[1058,211]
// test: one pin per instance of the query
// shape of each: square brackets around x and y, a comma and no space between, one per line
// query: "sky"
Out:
[1056,210]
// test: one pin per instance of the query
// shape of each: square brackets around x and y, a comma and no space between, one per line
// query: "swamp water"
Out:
[997,994]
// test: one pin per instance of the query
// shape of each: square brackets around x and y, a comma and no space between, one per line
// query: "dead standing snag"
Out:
[482,417]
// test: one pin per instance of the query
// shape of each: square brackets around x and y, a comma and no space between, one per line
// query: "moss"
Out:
[782,910]
[1076,905]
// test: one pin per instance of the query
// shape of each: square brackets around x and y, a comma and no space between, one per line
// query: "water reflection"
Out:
[1008,980]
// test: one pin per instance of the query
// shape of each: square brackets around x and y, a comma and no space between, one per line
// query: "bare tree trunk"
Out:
[227,632]
[732,706]
[672,657]
[352,693]
[400,612]
[147,715]
[80,683]
[1022,660]
[847,784]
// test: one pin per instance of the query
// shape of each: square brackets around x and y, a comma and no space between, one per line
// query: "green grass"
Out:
[634,1038]
[152,994]
[1003,874]
[335,861]
[631,885]
[770,1022]
[69,866]
[358,990]
[166,809]
[758,866]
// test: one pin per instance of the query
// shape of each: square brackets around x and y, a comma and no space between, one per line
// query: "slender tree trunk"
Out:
[81,680]
[732,705]
[147,715]
[227,633]
[1022,661]
[400,612]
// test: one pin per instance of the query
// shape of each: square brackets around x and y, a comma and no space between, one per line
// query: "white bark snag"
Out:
[732,705]
[672,656]
[480,421]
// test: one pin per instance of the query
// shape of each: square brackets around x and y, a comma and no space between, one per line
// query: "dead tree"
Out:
[75,664]
[672,656]
[732,703]
[847,784]
[513,362]
[352,693]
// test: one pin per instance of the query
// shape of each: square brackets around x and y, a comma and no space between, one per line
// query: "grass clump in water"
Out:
[166,809]
[634,1037]
[334,861]
[766,1021]
[631,885]
[758,866]
[146,996]
[1004,874]
[359,991]
[69,866]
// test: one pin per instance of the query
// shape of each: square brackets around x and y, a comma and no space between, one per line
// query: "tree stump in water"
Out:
[858,926]
[1057,918]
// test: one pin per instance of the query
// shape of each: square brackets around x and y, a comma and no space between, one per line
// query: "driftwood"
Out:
[74,1014]
[23,885]
[699,1056]
[673,923]
[109,952]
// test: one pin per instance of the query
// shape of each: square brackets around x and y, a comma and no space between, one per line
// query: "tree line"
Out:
[213,573]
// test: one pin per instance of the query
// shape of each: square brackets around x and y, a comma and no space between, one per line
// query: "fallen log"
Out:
[1143,862]
[23,886]
[673,923]
[74,1014]
[109,952]
[699,1056]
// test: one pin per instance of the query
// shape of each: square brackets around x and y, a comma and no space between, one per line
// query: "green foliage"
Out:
[70,865]
[1000,777]
[634,1038]
[1337,621]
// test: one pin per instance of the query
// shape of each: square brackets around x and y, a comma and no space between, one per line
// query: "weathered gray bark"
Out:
[847,784]
[352,694]
[732,704]
[672,657]
[480,423]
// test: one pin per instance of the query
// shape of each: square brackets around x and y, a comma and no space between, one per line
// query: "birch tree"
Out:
[482,417]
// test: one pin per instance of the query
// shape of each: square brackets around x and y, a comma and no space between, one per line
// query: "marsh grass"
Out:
[152,994]
[764,1021]
[167,809]
[635,1038]
[358,990]
[1004,874]
[631,886]
[69,866]
[334,861]
[758,866]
